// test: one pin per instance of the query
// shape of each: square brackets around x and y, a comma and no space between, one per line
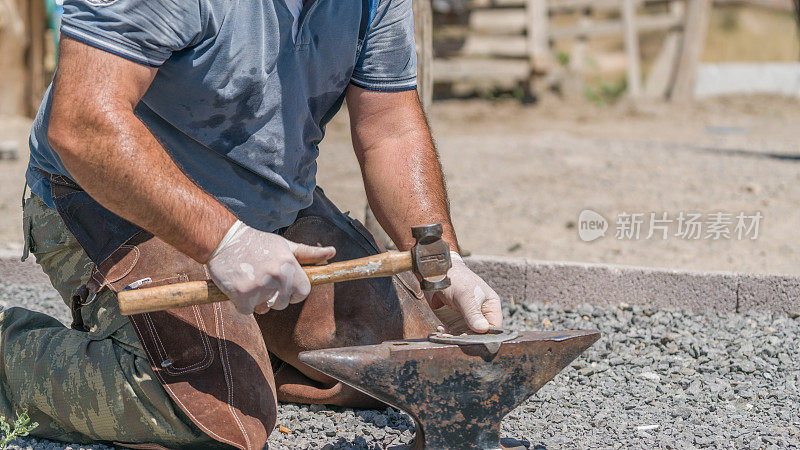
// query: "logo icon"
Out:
[100,2]
[591,225]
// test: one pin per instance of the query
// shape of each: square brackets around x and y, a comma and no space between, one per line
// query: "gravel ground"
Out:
[656,378]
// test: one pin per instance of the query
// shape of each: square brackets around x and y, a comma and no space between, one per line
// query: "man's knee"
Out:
[82,388]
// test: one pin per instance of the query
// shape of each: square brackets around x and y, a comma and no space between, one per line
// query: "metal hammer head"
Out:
[431,257]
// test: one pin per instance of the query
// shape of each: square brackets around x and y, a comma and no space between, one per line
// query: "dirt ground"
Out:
[519,176]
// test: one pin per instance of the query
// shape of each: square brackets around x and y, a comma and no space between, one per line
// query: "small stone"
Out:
[694,389]
[746,393]
[380,420]
[683,412]
[585,309]
[650,376]
[744,406]
[752,188]
[746,366]
[616,361]
[547,323]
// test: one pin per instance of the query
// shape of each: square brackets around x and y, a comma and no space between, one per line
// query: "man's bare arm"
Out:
[117,160]
[405,187]
[402,175]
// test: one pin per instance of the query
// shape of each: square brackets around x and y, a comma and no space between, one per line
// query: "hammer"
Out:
[429,258]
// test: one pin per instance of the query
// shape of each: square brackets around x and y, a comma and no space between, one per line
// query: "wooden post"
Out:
[631,37]
[12,57]
[423,35]
[37,25]
[662,73]
[538,40]
[577,61]
[575,80]
[694,39]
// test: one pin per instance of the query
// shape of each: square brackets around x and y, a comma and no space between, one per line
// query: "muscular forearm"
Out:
[118,161]
[402,175]
[405,187]
[122,166]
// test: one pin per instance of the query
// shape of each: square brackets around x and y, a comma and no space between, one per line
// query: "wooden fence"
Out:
[515,40]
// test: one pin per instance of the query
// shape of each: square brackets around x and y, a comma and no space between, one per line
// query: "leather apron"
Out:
[211,360]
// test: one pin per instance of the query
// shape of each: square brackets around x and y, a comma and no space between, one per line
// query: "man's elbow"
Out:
[61,137]
[71,132]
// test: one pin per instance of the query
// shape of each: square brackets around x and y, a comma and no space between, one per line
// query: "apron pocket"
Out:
[170,338]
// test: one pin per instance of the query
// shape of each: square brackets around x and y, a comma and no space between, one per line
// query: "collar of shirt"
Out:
[295,7]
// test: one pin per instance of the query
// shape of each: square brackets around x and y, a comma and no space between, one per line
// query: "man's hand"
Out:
[470,296]
[260,271]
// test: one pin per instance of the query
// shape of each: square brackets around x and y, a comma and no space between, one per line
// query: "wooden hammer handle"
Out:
[179,295]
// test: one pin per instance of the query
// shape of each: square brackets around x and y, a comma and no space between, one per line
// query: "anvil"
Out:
[456,388]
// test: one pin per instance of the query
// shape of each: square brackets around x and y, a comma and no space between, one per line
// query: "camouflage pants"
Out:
[82,386]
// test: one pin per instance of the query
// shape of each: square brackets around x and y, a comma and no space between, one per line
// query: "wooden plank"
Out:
[480,4]
[423,36]
[538,36]
[568,6]
[497,46]
[775,5]
[611,27]
[559,6]
[631,39]
[693,43]
[662,73]
[603,6]
[479,70]
[498,21]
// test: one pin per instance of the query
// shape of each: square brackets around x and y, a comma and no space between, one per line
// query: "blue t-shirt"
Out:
[237,103]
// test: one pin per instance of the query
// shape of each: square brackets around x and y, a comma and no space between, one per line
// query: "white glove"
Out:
[468,294]
[260,271]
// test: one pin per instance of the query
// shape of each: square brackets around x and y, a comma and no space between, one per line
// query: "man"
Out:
[178,142]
